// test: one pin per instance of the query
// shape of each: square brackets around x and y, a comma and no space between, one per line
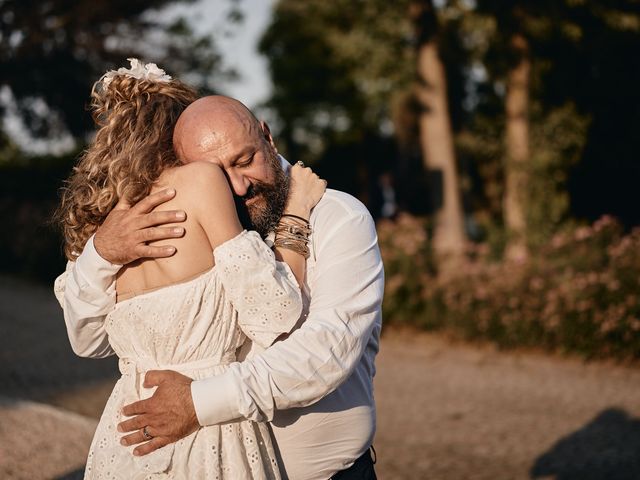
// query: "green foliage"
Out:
[335,66]
[579,295]
[9,152]
[558,139]
[408,268]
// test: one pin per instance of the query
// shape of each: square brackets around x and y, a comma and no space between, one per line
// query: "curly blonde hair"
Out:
[132,147]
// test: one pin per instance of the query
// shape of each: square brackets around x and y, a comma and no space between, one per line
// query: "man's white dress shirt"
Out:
[315,387]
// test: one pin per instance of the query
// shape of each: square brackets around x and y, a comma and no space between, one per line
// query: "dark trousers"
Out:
[362,469]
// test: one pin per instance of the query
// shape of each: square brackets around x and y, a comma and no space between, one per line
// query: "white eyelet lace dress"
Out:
[195,328]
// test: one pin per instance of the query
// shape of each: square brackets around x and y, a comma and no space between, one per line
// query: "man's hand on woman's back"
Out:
[124,235]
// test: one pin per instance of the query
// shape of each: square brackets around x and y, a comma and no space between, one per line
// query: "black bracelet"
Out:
[296,216]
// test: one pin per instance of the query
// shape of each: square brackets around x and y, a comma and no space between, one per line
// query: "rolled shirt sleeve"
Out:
[315,359]
[86,292]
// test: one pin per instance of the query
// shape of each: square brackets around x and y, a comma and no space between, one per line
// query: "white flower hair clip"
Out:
[142,71]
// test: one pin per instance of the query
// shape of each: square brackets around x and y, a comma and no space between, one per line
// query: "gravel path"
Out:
[468,413]
[445,411]
[40,441]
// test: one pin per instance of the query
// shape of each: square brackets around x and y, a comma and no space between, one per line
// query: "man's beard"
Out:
[264,214]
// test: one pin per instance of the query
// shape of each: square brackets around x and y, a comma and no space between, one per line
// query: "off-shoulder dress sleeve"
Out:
[87,292]
[263,290]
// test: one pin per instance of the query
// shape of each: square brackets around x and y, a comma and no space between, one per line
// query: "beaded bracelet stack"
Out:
[293,234]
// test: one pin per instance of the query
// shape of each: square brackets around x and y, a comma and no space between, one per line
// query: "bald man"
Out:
[316,386]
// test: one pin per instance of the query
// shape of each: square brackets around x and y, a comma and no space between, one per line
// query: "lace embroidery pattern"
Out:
[268,300]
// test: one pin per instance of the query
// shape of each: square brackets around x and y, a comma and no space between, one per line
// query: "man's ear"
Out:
[267,135]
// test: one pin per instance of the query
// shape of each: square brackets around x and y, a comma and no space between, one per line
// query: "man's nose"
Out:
[239,183]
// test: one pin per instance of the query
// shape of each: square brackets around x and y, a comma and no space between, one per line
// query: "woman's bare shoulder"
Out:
[203,192]
[194,171]
[196,177]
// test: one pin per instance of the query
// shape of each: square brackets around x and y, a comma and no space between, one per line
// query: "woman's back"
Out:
[203,193]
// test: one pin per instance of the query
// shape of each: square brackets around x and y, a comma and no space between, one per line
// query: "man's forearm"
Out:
[285,376]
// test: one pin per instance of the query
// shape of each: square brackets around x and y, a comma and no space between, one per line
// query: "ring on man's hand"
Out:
[146,434]
[300,163]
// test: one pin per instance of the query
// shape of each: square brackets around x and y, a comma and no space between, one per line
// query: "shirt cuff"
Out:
[93,270]
[215,399]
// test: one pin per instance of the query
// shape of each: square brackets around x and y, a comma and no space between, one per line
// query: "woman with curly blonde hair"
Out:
[132,147]
[189,312]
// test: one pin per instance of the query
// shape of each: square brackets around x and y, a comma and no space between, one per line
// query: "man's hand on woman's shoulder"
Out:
[124,235]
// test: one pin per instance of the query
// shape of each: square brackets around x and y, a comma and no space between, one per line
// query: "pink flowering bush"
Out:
[579,293]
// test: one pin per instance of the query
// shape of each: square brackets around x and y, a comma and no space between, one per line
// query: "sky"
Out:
[254,85]
[237,43]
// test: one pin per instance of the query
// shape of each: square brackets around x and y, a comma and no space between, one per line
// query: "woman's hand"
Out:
[305,191]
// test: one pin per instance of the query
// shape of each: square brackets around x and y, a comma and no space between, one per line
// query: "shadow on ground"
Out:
[75,475]
[607,448]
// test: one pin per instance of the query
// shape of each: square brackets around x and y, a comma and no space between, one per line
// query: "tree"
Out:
[334,67]
[528,134]
[51,52]
[436,136]
[337,81]
[517,142]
